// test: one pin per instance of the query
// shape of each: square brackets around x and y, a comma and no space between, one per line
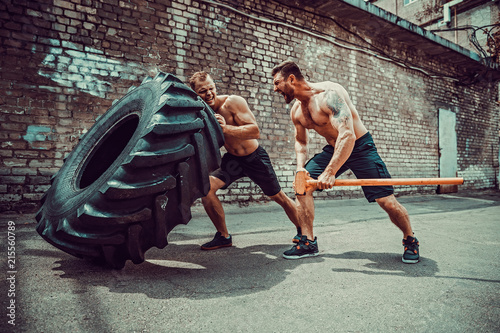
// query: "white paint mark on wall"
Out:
[216,25]
[35,133]
[86,70]
[480,176]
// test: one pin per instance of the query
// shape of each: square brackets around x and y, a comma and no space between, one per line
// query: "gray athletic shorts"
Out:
[364,162]
[256,166]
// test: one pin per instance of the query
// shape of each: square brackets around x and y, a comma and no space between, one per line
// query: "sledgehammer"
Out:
[303,182]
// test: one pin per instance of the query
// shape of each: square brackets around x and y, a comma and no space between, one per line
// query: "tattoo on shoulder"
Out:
[335,103]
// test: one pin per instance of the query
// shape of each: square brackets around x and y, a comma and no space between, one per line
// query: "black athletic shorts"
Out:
[256,166]
[364,162]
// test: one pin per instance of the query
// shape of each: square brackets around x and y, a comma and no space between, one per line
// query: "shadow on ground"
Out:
[184,271]
[390,264]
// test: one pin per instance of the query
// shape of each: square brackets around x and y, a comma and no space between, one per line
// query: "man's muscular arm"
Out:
[341,119]
[301,139]
[245,127]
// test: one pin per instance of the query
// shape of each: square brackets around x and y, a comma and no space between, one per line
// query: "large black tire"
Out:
[134,175]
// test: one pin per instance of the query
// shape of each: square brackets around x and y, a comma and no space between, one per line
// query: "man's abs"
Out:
[241,147]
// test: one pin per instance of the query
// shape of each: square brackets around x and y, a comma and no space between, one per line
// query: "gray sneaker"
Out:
[218,242]
[303,249]
[411,254]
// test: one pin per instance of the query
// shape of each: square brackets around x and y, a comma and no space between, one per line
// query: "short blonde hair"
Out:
[198,76]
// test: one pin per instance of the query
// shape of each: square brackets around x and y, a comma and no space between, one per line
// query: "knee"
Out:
[211,195]
[215,185]
[213,190]
[279,197]
[388,203]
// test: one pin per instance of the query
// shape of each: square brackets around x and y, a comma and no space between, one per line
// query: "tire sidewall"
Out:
[64,194]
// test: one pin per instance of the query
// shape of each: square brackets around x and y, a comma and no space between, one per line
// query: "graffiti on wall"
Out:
[87,70]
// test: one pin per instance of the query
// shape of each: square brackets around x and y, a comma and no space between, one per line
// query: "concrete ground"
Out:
[357,284]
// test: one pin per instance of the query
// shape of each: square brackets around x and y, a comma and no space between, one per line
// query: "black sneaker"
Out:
[296,239]
[411,255]
[304,248]
[218,242]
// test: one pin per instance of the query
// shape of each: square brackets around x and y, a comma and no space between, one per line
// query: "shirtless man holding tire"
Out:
[244,157]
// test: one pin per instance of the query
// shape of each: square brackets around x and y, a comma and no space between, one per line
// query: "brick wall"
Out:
[64,62]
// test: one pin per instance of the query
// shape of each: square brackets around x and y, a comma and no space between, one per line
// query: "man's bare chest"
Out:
[228,117]
[318,121]
[312,117]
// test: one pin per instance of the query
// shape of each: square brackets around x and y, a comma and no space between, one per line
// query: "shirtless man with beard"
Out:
[244,157]
[326,108]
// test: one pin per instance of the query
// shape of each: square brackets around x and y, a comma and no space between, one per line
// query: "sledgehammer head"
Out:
[303,182]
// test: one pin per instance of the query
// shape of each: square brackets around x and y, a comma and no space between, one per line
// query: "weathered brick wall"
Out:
[64,62]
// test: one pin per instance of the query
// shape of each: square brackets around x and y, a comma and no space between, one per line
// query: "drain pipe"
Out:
[447,15]
[456,31]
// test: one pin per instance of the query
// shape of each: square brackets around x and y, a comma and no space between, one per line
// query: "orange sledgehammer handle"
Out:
[303,182]
[399,181]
